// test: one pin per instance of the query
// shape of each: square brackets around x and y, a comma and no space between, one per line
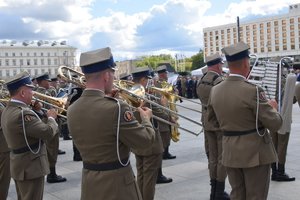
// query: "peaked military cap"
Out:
[214,59]
[97,60]
[21,79]
[161,69]
[237,51]
[44,76]
[141,72]
[124,76]
[54,78]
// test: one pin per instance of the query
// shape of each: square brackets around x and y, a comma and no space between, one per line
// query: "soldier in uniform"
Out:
[148,160]
[52,145]
[244,116]
[125,76]
[104,129]
[4,162]
[164,129]
[25,134]
[212,131]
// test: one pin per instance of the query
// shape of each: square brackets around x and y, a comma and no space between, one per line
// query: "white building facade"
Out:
[267,37]
[35,57]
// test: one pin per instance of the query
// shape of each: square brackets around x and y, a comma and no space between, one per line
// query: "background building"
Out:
[267,37]
[36,57]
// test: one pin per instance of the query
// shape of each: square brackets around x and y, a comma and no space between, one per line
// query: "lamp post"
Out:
[279,81]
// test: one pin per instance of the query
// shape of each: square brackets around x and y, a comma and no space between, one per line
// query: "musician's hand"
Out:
[37,106]
[52,113]
[145,113]
[273,103]
[163,101]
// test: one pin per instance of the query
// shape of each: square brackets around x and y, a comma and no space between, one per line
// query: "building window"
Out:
[21,62]
[247,28]
[55,61]
[283,22]
[28,54]
[283,34]
[299,19]
[292,34]
[36,71]
[29,71]
[7,72]
[48,54]
[21,54]
[292,27]
[228,30]
[43,71]
[0,62]
[6,62]
[42,54]
[222,31]
[205,34]
[276,29]
[6,54]
[35,61]
[284,47]
[42,61]
[261,26]
[255,50]
[291,20]
[34,54]
[269,49]
[210,33]
[277,42]
[293,47]
[14,62]
[14,72]
[275,23]
[49,61]
[216,32]
[13,54]
[28,61]
[262,50]
[269,24]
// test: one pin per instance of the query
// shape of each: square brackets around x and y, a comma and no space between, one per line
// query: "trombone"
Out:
[71,76]
[135,99]
[58,103]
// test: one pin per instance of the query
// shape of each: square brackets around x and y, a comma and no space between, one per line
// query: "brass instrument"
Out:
[136,96]
[71,76]
[58,103]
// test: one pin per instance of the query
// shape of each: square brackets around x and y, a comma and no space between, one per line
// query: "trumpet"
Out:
[136,95]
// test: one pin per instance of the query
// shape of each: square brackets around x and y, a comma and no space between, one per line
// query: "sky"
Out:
[131,28]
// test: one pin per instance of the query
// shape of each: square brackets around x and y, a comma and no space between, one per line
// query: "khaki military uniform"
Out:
[53,144]
[4,164]
[164,129]
[211,130]
[246,155]
[27,169]
[149,160]
[297,92]
[93,123]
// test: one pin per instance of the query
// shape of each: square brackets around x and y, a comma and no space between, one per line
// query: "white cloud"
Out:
[175,26]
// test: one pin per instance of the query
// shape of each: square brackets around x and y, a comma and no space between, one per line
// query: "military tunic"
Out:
[164,129]
[247,155]
[4,163]
[53,144]
[93,123]
[27,169]
[211,130]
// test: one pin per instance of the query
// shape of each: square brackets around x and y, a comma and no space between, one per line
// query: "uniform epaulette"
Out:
[246,81]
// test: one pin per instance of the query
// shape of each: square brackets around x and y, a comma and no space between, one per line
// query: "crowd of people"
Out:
[106,127]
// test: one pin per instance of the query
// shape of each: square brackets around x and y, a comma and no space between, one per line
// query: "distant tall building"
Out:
[267,37]
[36,57]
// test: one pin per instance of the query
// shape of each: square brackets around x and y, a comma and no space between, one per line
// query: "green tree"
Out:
[197,60]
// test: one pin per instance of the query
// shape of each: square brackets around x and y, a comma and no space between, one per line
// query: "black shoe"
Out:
[163,179]
[168,156]
[67,138]
[60,152]
[55,178]
[283,178]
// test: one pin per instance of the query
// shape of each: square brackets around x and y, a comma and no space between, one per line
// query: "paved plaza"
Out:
[189,170]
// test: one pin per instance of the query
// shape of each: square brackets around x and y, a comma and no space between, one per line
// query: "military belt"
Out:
[239,133]
[105,166]
[25,149]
